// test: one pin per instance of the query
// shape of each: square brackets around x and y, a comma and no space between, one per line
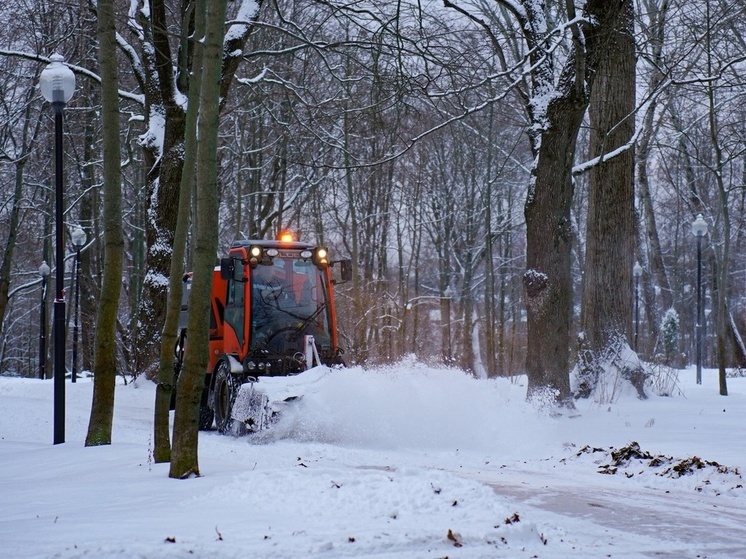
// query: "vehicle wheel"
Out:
[226,390]
[206,413]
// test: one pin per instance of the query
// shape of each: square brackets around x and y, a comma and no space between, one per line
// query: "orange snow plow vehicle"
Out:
[272,318]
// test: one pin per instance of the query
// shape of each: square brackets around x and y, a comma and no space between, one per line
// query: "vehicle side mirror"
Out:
[231,268]
[345,271]
[186,289]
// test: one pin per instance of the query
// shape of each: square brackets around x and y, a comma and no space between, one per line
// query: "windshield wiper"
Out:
[310,319]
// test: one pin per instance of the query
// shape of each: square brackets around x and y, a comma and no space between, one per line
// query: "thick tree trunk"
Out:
[610,237]
[164,180]
[548,281]
[105,363]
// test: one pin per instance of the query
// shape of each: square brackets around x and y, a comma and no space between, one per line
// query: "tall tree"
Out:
[655,33]
[606,319]
[184,462]
[105,362]
[28,135]
[717,167]
[164,390]
[163,149]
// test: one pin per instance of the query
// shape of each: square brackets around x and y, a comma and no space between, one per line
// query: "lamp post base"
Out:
[59,371]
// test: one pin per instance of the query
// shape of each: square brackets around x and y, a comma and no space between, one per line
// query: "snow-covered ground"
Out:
[400,462]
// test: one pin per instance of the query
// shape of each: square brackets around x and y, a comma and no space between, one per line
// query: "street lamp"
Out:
[44,274]
[699,229]
[79,239]
[637,272]
[57,84]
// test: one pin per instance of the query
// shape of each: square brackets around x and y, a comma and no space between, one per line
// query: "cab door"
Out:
[235,317]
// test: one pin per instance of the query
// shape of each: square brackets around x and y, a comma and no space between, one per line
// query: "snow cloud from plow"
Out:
[412,405]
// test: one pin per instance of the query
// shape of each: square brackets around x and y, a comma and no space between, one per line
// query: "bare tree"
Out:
[610,236]
[17,151]
[166,372]
[720,54]
[163,146]
[560,84]
[653,55]
[105,360]
[184,462]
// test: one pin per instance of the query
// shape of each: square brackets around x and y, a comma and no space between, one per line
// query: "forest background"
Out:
[409,136]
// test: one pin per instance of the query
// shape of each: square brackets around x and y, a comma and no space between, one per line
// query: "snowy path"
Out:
[661,523]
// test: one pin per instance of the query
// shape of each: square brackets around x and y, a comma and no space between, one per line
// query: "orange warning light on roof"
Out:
[286,237]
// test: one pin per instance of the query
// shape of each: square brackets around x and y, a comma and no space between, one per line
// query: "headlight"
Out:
[320,257]
[255,255]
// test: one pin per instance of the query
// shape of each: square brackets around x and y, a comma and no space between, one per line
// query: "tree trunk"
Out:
[358,300]
[491,347]
[184,460]
[163,180]
[648,227]
[88,217]
[105,365]
[165,387]
[610,237]
[548,281]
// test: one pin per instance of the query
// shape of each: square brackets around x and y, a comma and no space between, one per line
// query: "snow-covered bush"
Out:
[670,335]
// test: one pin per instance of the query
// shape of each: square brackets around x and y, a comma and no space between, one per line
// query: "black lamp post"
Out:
[57,84]
[637,272]
[705,344]
[79,238]
[448,297]
[44,274]
[699,228]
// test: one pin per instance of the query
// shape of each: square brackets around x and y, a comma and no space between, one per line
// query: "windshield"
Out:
[288,301]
